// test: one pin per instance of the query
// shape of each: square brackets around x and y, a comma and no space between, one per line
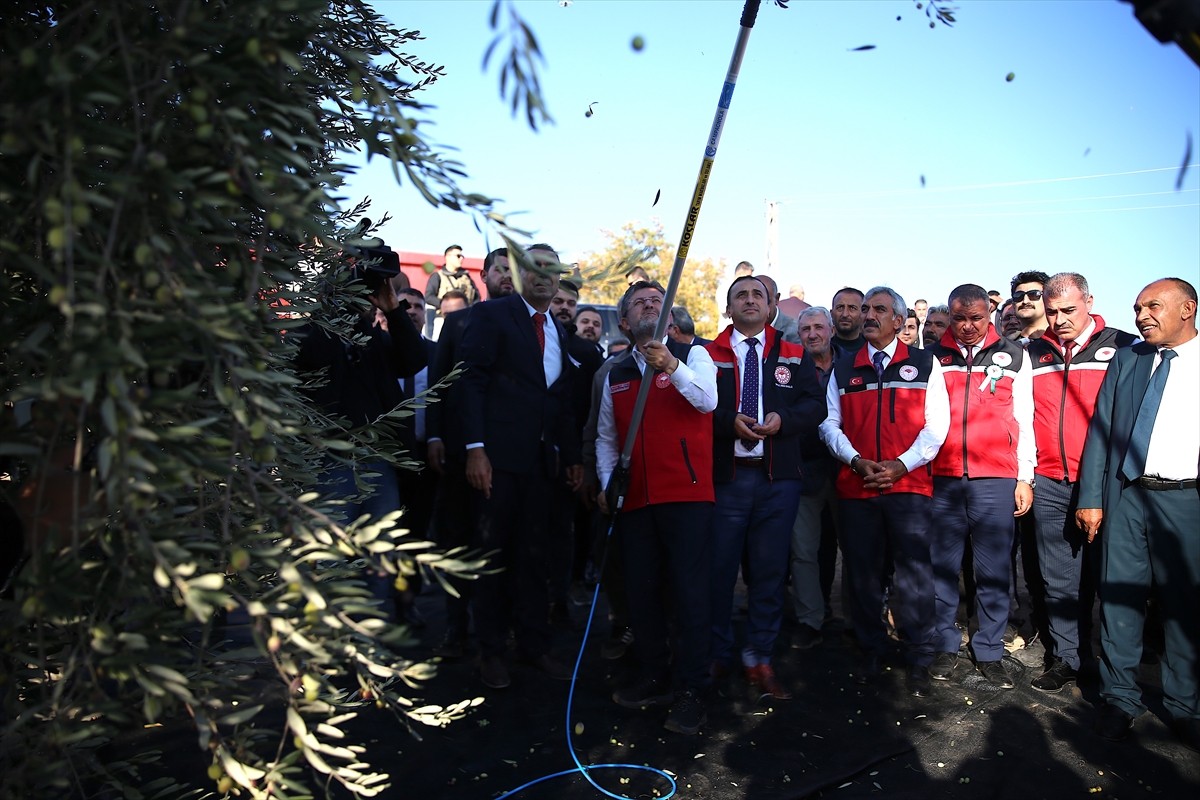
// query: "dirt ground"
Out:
[835,739]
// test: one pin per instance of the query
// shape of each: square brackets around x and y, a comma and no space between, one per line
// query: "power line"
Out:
[1000,185]
[910,213]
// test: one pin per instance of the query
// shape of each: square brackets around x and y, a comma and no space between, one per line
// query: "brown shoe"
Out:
[493,672]
[762,678]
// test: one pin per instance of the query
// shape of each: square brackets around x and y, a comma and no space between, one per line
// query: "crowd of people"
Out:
[931,446]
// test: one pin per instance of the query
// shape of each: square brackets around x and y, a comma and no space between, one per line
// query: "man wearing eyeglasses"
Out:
[1027,288]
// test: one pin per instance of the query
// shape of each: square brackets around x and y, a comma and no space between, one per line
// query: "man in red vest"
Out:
[1069,362]
[887,418]
[665,522]
[982,478]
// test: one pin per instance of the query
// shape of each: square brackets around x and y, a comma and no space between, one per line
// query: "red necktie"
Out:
[539,328]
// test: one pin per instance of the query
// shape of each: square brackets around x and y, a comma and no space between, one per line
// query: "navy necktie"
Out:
[877,360]
[1134,465]
[750,381]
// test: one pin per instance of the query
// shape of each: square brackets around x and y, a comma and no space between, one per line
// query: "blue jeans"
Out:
[754,516]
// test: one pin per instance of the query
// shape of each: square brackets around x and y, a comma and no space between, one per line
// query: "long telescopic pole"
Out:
[689,226]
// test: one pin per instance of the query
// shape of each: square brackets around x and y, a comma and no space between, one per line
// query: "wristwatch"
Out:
[1031,481]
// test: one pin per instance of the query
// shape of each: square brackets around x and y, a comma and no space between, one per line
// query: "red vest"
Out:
[672,460]
[982,440]
[882,418]
[1065,398]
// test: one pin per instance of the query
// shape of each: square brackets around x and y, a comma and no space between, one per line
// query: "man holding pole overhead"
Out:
[664,523]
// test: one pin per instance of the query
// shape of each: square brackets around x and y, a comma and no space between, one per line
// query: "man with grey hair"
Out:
[888,414]
[814,533]
[683,328]
[1069,360]
[665,522]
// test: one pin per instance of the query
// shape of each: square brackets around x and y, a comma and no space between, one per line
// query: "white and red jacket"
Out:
[1064,395]
[991,409]
[901,416]
[672,457]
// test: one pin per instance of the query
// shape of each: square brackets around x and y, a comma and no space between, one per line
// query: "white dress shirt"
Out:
[929,439]
[1175,440]
[552,355]
[696,381]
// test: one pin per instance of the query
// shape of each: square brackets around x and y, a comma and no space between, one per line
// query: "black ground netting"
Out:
[835,739]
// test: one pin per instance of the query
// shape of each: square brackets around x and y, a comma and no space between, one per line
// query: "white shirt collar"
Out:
[889,350]
[738,337]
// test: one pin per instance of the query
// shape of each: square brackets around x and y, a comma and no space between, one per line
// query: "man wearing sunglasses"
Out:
[1031,309]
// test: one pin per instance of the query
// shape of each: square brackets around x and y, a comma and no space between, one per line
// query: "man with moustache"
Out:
[1137,492]
[1027,289]
[1069,363]
[888,415]
[665,522]
[937,322]
[814,533]
[520,434]
[847,313]
[446,451]
[768,396]
[983,471]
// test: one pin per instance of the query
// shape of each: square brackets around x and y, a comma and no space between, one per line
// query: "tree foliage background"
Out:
[646,246]
[168,173]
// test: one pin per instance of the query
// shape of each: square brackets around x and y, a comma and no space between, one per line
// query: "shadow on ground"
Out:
[835,739]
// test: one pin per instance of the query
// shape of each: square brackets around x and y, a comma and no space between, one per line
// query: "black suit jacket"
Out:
[1100,479]
[506,404]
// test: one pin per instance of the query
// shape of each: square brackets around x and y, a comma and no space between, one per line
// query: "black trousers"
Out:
[667,554]
[515,523]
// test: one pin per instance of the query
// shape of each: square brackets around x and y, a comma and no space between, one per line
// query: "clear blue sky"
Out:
[1070,166]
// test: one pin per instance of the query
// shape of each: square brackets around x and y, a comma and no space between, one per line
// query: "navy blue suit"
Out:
[1147,537]
[528,431]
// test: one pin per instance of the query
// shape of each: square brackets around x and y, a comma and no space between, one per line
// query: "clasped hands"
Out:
[879,475]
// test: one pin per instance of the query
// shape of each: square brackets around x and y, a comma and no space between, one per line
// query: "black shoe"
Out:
[1112,723]
[617,644]
[493,672]
[995,674]
[643,694]
[453,646]
[551,667]
[943,666]
[1056,676]
[1187,730]
[805,637]
[869,670]
[687,714]
[918,681]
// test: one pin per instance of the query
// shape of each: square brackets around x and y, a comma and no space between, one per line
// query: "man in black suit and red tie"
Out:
[518,426]
[1137,492]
